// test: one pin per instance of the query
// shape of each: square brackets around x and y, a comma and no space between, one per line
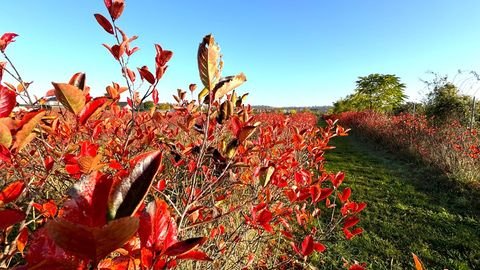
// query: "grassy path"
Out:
[410,209]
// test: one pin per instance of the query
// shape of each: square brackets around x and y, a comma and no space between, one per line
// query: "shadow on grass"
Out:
[411,208]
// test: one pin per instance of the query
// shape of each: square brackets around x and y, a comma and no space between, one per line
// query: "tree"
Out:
[379,92]
[445,102]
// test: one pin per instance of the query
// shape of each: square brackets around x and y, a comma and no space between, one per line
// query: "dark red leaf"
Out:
[326,192]
[42,253]
[6,39]
[5,154]
[116,8]
[185,246]
[108,3]
[8,100]
[155,96]
[350,222]
[196,255]
[356,267]
[345,195]
[91,108]
[146,74]
[48,162]
[128,194]
[307,246]
[264,217]
[78,80]
[11,192]
[104,22]
[92,242]
[88,203]
[9,217]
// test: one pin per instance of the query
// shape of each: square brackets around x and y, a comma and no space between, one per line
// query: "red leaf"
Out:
[44,254]
[22,239]
[163,56]
[185,246]
[155,96]
[350,222]
[345,195]
[128,194]
[157,229]
[307,246]
[6,39]
[264,217]
[108,3]
[48,209]
[8,100]
[48,162]
[2,66]
[146,74]
[92,242]
[357,267]
[338,179]
[107,26]
[115,8]
[26,126]
[91,108]
[9,217]
[319,247]
[88,205]
[326,192]
[196,255]
[11,192]
[5,154]
[78,80]
[131,75]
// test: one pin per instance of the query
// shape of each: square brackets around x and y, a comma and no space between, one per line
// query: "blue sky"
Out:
[304,52]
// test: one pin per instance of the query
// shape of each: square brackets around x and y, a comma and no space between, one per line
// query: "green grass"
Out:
[411,208]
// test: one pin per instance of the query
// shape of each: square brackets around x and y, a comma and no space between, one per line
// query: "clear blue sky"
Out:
[304,52]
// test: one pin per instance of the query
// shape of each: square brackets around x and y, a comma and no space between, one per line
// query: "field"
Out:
[412,208]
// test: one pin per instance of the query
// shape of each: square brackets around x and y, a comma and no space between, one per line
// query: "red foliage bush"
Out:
[95,186]
[450,147]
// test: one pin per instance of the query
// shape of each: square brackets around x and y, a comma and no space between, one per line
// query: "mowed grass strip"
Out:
[411,208]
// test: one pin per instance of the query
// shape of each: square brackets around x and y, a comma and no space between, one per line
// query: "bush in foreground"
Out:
[94,186]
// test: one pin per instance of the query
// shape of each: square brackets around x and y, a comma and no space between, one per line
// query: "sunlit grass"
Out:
[411,208]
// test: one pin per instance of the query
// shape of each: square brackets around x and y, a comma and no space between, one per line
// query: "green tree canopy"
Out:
[379,92]
[445,102]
